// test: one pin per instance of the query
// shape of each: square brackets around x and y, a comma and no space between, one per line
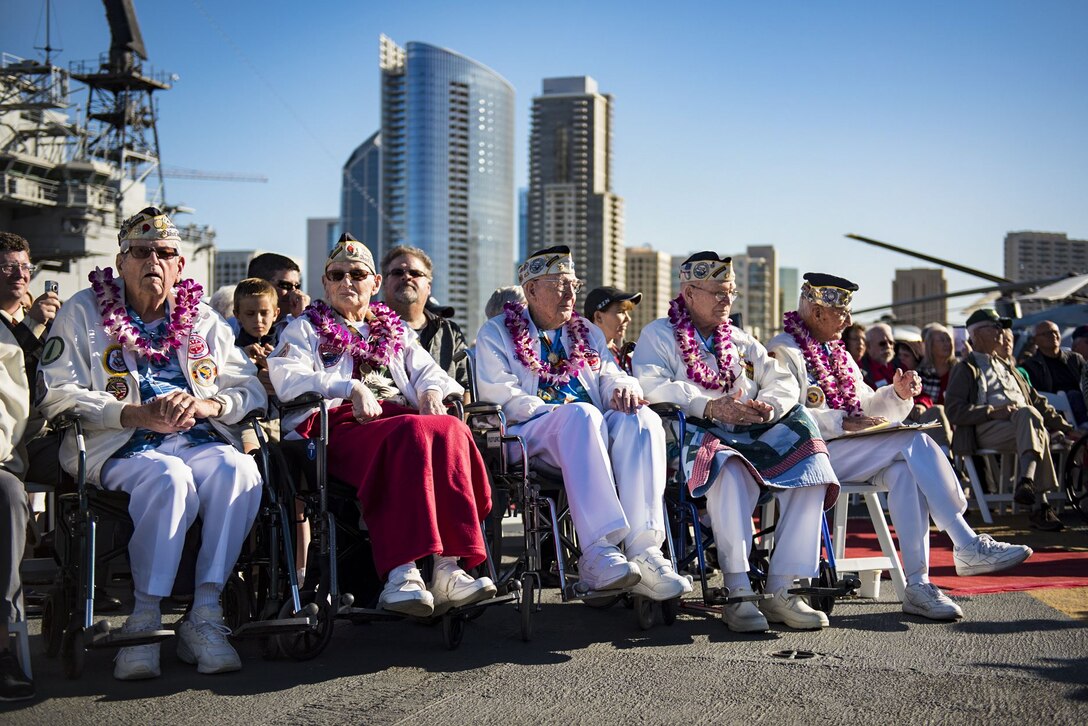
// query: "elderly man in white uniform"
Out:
[921,483]
[745,424]
[159,384]
[556,381]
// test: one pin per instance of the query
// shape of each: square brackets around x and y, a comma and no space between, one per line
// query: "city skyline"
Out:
[939,128]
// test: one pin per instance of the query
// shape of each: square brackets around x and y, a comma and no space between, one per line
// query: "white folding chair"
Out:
[868,568]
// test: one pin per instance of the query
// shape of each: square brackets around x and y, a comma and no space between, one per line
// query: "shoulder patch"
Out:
[53,349]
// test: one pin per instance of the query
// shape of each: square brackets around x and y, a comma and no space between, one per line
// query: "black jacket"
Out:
[1040,371]
[443,339]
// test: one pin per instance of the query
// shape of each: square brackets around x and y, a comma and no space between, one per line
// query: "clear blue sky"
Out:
[934,125]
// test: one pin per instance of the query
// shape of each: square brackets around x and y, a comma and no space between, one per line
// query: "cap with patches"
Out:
[148,225]
[707,266]
[551,261]
[988,315]
[601,297]
[349,249]
[828,290]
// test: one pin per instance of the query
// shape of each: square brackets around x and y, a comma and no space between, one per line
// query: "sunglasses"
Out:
[289,286]
[401,272]
[356,275]
[163,253]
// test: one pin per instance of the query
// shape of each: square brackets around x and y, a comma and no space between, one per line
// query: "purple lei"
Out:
[119,326]
[553,374]
[832,372]
[691,352]
[386,337]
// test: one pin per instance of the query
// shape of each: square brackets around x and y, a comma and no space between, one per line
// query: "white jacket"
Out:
[14,402]
[296,368]
[503,380]
[86,372]
[884,402]
[663,375]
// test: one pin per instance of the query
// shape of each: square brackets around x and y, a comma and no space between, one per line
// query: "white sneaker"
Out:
[793,611]
[985,554]
[138,662]
[603,567]
[202,639]
[927,600]
[405,593]
[743,617]
[659,581]
[452,587]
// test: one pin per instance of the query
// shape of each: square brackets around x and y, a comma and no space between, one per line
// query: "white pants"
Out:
[168,489]
[920,481]
[730,502]
[599,453]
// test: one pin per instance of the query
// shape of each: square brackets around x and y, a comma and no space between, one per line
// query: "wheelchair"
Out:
[68,626]
[341,581]
[694,537]
[1075,477]
[549,550]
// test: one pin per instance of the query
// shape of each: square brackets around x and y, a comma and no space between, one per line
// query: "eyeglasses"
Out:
[289,286]
[886,343]
[356,275]
[401,272]
[563,286]
[11,267]
[721,296]
[163,253]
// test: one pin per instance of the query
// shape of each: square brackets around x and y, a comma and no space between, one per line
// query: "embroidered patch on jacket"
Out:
[198,347]
[593,358]
[118,388]
[330,354]
[113,360]
[204,372]
[52,350]
[749,369]
[814,397]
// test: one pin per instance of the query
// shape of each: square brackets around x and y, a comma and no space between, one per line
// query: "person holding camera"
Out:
[28,325]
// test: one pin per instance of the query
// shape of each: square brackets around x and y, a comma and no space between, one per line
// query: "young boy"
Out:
[256,306]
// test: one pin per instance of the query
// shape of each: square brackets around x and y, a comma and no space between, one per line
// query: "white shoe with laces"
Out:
[406,593]
[927,600]
[452,587]
[984,554]
[202,639]
[138,662]
[659,581]
[603,567]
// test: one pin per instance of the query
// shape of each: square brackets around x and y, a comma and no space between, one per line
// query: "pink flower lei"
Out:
[386,337]
[119,326]
[558,373]
[690,350]
[832,372]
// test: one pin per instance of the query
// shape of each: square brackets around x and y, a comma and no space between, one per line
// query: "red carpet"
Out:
[1047,568]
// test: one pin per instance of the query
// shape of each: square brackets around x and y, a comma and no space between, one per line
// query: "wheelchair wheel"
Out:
[669,610]
[827,578]
[1075,478]
[237,602]
[528,585]
[309,643]
[453,630]
[73,652]
[644,611]
[54,615]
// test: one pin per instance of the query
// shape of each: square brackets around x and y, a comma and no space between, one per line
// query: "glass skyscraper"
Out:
[360,194]
[448,171]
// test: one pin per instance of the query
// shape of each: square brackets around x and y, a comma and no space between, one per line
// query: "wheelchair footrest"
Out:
[717,596]
[116,639]
[578,591]
[264,628]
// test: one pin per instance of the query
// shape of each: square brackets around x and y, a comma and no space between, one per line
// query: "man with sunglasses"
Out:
[993,407]
[878,363]
[921,482]
[562,391]
[408,272]
[155,376]
[285,276]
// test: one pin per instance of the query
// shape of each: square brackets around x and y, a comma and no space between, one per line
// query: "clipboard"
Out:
[889,427]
